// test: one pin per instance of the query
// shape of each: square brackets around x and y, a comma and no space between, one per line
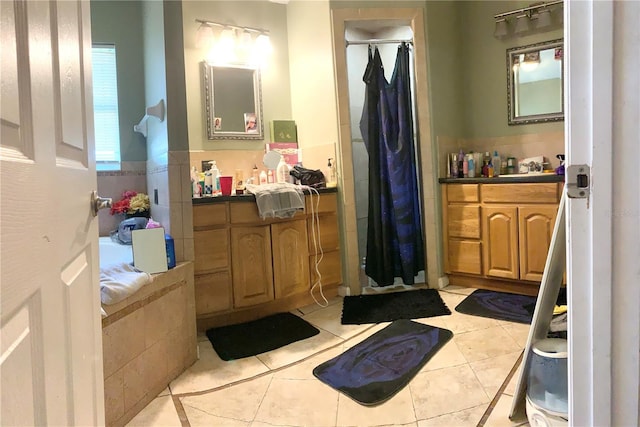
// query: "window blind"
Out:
[105,106]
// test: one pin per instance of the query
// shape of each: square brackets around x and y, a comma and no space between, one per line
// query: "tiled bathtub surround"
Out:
[518,146]
[148,340]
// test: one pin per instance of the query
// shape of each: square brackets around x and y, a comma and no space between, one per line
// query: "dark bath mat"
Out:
[417,304]
[259,336]
[374,370]
[498,305]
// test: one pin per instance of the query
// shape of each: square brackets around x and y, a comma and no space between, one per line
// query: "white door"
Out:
[51,343]
[603,231]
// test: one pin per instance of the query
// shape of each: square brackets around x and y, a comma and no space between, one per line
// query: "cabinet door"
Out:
[213,292]
[211,249]
[535,227]
[500,245]
[290,257]
[252,273]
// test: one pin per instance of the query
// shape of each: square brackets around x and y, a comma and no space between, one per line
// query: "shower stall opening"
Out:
[363,39]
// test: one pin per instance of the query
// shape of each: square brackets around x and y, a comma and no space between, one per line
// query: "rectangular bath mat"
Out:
[388,307]
[498,305]
[259,336]
[376,369]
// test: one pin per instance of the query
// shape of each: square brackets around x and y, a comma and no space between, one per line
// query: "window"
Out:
[105,107]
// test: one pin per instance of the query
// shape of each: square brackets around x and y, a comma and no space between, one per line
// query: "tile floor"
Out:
[458,387]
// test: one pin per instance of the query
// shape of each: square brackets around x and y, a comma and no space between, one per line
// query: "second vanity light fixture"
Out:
[537,16]
[233,43]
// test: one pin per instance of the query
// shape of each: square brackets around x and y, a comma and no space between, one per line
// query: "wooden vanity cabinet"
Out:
[247,267]
[498,231]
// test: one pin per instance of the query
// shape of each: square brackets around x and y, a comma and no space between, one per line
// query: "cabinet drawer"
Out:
[329,239]
[462,192]
[210,215]
[463,221]
[465,256]
[519,193]
[211,249]
[330,268]
[213,292]
[328,203]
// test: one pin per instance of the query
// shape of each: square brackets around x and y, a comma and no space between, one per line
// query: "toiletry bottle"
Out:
[454,165]
[460,164]
[471,166]
[331,174]
[270,178]
[465,167]
[208,186]
[215,178]
[263,177]
[255,175]
[195,182]
[171,251]
[496,163]
[282,171]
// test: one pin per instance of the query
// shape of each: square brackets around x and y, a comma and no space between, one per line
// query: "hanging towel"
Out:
[280,200]
[118,281]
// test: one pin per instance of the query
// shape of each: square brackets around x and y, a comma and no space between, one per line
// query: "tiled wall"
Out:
[518,146]
[148,340]
[132,176]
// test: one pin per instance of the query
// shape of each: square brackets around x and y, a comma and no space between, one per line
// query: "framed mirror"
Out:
[535,83]
[233,102]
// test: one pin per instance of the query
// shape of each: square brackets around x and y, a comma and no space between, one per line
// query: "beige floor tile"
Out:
[452,299]
[239,402]
[485,343]
[159,412]
[499,416]
[199,418]
[449,355]
[510,389]
[298,402]
[261,424]
[445,391]
[329,320]
[210,371]
[308,309]
[437,321]
[518,331]
[397,410]
[165,392]
[492,372]
[465,418]
[304,370]
[459,323]
[462,290]
[298,350]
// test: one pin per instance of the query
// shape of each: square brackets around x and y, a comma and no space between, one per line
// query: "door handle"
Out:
[98,203]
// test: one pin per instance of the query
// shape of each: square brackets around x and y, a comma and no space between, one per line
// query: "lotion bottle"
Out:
[215,178]
[282,171]
[263,177]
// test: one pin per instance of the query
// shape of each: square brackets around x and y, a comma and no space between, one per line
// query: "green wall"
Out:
[119,23]
[484,91]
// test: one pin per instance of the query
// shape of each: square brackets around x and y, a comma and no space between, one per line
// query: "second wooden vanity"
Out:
[247,267]
[496,234]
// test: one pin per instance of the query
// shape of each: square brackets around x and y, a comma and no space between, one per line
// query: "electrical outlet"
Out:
[155,196]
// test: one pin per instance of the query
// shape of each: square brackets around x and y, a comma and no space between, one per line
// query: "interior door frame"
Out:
[413,17]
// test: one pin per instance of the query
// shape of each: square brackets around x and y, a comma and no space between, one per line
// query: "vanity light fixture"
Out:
[537,16]
[233,41]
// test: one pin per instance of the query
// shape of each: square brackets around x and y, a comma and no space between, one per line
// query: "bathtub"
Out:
[112,252]
[148,339]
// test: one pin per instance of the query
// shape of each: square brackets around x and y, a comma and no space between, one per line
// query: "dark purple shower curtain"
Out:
[394,232]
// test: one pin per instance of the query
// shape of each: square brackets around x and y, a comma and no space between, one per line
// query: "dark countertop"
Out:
[506,179]
[247,197]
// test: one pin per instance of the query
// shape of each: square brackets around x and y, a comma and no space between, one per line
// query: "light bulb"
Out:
[204,37]
[263,43]
[501,28]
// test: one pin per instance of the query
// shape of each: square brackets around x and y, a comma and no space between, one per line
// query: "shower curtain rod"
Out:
[377,41]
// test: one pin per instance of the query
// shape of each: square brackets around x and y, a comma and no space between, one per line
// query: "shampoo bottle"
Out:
[215,178]
[471,166]
[263,177]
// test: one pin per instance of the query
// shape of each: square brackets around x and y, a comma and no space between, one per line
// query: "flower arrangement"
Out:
[132,203]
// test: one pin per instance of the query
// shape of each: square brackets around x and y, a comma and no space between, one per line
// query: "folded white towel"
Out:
[118,281]
[280,200]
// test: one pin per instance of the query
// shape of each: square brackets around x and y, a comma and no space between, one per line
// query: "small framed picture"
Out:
[250,123]
[217,123]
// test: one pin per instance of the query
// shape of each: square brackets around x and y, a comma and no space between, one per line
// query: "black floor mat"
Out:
[374,370]
[259,336]
[388,307]
[498,305]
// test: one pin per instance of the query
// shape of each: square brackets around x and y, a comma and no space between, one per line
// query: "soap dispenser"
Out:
[332,180]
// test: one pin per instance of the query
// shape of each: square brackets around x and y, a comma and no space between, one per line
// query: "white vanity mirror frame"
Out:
[550,116]
[208,74]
